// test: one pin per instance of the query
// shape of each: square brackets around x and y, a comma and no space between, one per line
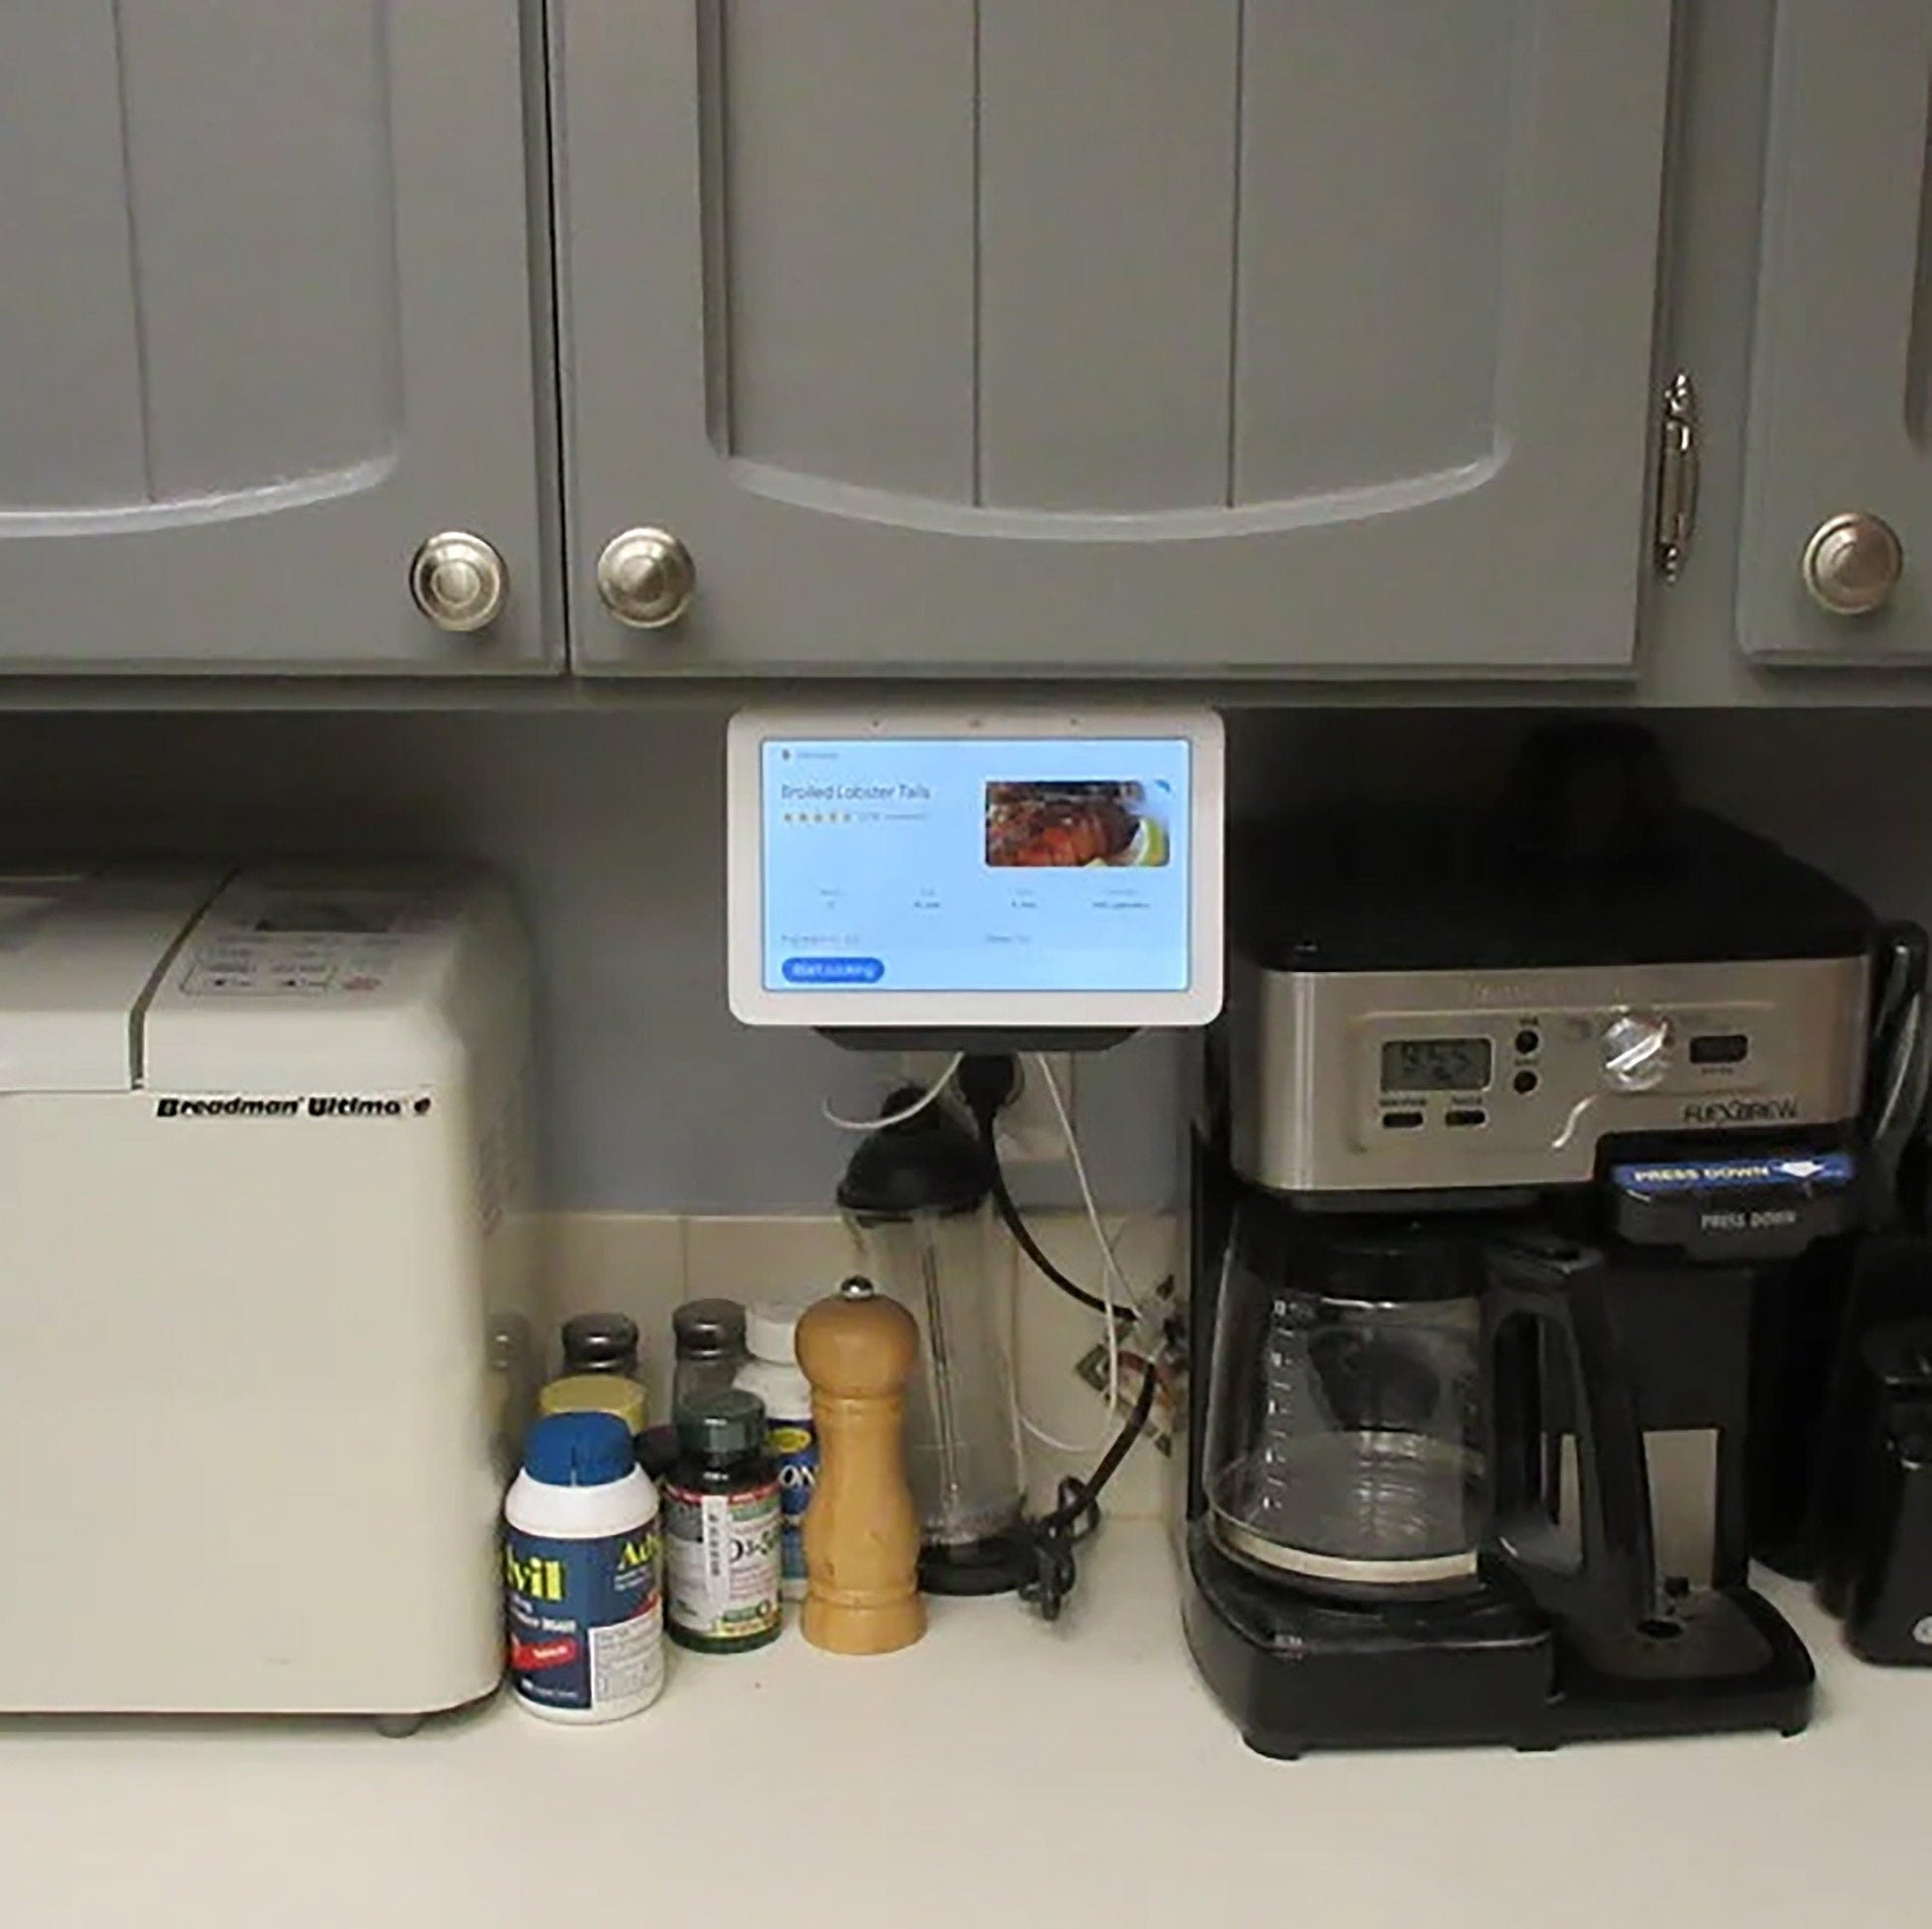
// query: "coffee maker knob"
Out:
[1636,1050]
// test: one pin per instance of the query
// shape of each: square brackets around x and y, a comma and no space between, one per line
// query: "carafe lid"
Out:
[929,1163]
[1382,1263]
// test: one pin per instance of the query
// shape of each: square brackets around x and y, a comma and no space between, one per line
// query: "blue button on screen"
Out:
[834,971]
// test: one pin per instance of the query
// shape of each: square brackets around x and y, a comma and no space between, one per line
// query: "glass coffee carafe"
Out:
[1375,1425]
[1345,1422]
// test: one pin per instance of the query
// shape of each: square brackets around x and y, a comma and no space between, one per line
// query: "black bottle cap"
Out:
[929,1163]
[599,1342]
[708,1330]
[722,1426]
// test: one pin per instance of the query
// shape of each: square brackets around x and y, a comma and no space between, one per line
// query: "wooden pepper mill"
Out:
[861,1535]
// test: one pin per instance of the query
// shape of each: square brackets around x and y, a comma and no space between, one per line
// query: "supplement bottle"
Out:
[600,1373]
[790,1439]
[596,1393]
[582,1567]
[720,1521]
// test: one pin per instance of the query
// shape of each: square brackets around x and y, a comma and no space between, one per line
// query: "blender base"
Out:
[994,1566]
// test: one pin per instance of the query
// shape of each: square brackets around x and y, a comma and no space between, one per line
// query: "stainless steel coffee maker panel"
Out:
[1430,1080]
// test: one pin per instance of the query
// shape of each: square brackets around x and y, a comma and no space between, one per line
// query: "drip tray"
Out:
[1698,1636]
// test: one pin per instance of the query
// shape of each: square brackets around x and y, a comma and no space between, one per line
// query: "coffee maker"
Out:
[1530,1140]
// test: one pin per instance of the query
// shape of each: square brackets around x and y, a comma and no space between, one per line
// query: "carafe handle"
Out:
[1560,1285]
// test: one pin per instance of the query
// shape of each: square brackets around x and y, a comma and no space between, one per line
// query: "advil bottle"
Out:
[583,1566]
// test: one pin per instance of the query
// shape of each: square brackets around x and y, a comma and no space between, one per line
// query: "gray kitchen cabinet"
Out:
[1035,336]
[1835,551]
[267,323]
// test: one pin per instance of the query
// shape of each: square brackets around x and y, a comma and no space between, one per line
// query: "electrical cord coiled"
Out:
[1048,1569]
[1051,1569]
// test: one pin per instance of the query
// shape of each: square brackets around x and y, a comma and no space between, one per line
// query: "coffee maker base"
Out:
[1299,1674]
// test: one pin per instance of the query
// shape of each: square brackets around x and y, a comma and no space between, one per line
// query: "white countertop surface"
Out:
[1000,1771]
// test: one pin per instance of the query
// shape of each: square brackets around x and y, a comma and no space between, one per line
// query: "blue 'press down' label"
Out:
[1794,1171]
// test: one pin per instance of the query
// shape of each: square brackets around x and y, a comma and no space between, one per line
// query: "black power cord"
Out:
[1048,1542]
[1043,1553]
[987,1080]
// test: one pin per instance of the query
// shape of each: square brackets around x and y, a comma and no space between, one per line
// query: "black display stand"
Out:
[974,1039]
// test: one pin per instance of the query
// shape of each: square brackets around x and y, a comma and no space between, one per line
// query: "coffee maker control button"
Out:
[1636,1050]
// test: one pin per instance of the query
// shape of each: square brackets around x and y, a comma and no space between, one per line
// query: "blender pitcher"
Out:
[915,1197]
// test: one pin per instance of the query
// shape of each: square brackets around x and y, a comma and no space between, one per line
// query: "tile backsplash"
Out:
[644,1264]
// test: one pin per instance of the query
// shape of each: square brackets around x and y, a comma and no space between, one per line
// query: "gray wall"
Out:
[610,825]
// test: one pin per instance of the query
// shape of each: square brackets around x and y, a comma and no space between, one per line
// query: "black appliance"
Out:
[1874,1569]
[1523,1135]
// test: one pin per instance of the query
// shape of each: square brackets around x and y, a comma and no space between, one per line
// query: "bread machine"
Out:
[266,1345]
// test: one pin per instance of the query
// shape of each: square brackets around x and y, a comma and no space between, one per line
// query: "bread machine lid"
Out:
[81,950]
[317,978]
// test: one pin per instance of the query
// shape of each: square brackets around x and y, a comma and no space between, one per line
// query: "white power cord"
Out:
[904,1112]
[1112,1275]
[1114,1289]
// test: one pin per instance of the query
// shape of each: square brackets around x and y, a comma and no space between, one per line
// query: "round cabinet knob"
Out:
[1636,1050]
[647,578]
[1853,564]
[458,582]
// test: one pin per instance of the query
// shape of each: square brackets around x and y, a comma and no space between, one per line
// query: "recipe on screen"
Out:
[976,864]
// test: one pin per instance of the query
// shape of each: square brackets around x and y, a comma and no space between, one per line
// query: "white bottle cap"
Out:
[772,1331]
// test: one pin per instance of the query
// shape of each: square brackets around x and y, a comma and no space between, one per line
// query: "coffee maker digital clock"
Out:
[1415,1065]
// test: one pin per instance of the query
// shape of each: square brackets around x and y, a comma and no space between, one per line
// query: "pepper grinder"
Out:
[861,1535]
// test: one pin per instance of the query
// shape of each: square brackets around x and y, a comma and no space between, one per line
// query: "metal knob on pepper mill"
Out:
[861,1535]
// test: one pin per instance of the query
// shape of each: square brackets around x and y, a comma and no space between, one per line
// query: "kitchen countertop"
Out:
[1001,1769]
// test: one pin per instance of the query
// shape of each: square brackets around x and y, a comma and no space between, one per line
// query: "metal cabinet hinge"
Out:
[1678,462]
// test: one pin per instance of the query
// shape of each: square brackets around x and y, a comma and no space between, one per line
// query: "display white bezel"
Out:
[752,1004]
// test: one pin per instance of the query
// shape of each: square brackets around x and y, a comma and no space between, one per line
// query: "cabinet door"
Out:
[1837,534]
[266,325]
[1042,335]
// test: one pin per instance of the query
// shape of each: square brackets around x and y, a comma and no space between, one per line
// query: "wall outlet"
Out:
[920,1068]
[1028,1130]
